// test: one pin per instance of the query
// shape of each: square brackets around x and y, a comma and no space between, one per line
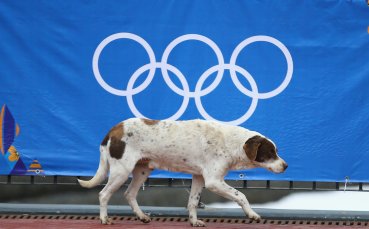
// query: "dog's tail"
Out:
[102,171]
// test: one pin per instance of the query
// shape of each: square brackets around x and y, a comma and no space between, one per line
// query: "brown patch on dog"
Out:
[150,122]
[251,147]
[260,149]
[117,131]
[117,146]
[266,151]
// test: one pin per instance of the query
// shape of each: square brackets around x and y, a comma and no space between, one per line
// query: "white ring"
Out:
[286,53]
[105,42]
[171,68]
[254,96]
[195,37]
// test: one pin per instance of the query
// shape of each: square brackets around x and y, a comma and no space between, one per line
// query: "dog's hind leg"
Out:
[193,201]
[139,176]
[119,172]
[116,180]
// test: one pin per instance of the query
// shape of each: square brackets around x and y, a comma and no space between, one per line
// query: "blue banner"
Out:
[296,72]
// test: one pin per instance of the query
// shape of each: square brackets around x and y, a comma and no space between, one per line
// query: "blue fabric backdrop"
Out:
[295,71]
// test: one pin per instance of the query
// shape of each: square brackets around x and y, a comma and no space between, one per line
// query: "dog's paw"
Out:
[107,221]
[145,219]
[197,223]
[254,216]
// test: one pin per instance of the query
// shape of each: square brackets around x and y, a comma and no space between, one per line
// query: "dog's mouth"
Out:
[280,169]
[277,171]
[276,166]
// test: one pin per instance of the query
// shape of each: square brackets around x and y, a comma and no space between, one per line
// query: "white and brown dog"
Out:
[205,149]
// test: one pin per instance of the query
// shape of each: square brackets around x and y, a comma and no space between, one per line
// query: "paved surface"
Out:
[134,224]
[86,216]
[63,209]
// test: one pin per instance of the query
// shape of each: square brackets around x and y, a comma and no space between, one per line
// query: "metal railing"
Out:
[186,183]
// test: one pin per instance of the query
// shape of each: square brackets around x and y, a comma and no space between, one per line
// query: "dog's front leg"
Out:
[220,187]
[193,201]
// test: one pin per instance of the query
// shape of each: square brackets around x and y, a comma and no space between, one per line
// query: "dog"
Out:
[205,149]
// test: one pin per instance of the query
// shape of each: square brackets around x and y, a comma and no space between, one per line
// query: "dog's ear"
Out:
[251,147]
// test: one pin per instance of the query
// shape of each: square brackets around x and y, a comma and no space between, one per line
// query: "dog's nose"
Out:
[285,166]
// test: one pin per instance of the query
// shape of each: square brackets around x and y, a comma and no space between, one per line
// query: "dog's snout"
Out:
[285,166]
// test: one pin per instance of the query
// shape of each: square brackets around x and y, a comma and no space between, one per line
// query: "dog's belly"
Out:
[174,167]
[174,164]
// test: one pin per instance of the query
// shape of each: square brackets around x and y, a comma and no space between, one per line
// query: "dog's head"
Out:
[262,152]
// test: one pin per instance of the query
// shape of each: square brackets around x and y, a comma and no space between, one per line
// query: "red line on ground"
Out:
[91,224]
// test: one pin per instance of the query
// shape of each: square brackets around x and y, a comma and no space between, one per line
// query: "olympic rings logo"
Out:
[185,92]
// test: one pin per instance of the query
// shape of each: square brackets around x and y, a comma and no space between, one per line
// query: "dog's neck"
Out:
[240,161]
